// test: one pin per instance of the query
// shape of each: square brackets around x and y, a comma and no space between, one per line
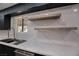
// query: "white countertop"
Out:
[46,49]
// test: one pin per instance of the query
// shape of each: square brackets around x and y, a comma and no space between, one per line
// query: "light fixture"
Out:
[46,14]
[75,10]
[19,11]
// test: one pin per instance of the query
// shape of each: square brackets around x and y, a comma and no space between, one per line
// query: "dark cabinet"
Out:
[9,51]
[7,21]
[6,51]
[19,52]
[1,22]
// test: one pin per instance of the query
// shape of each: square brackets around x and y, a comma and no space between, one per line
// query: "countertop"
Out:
[48,49]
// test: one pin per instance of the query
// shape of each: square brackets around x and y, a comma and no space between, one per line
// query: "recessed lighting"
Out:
[75,10]
[46,14]
[19,11]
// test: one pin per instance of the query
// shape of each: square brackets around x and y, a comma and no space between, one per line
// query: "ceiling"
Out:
[6,5]
[41,8]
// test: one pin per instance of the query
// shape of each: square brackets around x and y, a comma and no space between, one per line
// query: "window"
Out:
[21,24]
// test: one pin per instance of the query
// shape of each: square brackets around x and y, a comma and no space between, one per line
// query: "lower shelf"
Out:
[56,27]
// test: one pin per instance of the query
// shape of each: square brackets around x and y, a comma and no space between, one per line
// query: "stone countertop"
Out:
[48,49]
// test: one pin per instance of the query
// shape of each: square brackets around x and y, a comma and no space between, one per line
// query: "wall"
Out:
[66,41]
[3,34]
[69,17]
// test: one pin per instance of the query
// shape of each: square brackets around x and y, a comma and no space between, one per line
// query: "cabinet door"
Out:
[6,51]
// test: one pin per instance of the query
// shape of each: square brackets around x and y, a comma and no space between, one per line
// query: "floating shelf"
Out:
[56,27]
[45,16]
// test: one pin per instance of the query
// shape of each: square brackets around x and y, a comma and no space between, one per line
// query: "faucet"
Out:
[14,39]
[13,33]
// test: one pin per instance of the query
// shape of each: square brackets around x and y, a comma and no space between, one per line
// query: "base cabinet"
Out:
[9,51]
[6,51]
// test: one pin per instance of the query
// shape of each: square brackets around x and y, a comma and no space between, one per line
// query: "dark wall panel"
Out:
[1,22]
[7,22]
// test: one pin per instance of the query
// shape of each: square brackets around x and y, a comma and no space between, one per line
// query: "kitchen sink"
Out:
[13,41]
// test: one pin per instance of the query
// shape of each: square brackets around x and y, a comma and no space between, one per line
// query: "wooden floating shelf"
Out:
[44,16]
[57,27]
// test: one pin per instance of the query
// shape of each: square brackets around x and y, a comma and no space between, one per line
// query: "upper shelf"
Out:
[45,16]
[55,27]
